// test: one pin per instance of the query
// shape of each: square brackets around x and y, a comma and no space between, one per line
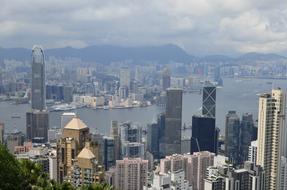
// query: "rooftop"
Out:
[76,123]
[86,153]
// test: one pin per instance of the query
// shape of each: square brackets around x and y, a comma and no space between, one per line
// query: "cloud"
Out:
[200,26]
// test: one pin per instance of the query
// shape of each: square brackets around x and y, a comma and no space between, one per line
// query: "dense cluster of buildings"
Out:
[136,157]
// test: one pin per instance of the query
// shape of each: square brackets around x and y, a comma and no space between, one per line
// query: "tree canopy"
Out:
[27,175]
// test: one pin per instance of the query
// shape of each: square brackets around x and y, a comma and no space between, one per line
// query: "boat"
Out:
[63,107]
[15,116]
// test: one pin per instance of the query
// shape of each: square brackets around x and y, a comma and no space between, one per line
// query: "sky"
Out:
[198,26]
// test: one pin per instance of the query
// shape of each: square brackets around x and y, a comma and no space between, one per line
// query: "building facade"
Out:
[246,133]
[173,122]
[272,136]
[204,134]
[209,100]
[37,125]
[131,174]
[75,135]
[38,99]
[232,137]
[252,152]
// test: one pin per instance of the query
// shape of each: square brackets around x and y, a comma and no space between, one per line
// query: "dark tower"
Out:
[172,131]
[204,134]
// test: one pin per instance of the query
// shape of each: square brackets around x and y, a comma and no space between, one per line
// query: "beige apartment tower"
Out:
[75,135]
[131,174]
[271,136]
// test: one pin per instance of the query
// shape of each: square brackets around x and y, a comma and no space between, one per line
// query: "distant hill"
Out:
[15,53]
[216,58]
[161,54]
[253,56]
[108,53]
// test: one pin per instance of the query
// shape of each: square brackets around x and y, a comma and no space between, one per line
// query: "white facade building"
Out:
[272,136]
[252,152]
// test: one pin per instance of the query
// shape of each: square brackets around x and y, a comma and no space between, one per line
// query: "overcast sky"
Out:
[198,26]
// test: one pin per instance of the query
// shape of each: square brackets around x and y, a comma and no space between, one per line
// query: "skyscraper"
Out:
[232,137]
[38,79]
[246,133]
[74,138]
[161,125]
[165,79]
[249,177]
[194,166]
[37,120]
[37,125]
[153,139]
[125,77]
[172,131]
[272,136]
[130,132]
[155,136]
[197,163]
[86,169]
[116,136]
[209,100]
[204,134]
[131,174]
[109,152]
[133,150]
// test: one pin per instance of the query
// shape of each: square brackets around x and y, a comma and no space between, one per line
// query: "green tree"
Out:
[27,175]
[10,175]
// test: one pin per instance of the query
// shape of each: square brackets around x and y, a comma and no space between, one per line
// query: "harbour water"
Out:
[237,94]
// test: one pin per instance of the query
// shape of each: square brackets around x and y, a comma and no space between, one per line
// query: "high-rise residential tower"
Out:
[131,174]
[38,100]
[194,166]
[232,137]
[272,137]
[74,137]
[173,117]
[209,100]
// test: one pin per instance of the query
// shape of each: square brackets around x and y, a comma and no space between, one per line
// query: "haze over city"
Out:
[143,94]
[200,27]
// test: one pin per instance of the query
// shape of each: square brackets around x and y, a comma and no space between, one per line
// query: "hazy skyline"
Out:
[198,26]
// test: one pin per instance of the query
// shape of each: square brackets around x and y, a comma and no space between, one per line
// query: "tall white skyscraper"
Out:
[272,136]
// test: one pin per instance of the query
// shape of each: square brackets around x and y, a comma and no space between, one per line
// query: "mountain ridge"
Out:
[138,54]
